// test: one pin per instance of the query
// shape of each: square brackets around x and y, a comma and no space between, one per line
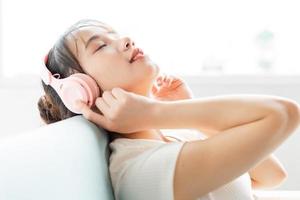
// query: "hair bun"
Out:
[47,110]
[46,102]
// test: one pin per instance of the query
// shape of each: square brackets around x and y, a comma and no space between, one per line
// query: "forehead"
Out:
[85,33]
[79,38]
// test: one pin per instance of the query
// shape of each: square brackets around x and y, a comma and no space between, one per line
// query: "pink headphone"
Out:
[78,86]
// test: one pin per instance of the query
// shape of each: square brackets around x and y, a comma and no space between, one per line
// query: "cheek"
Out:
[111,75]
[112,71]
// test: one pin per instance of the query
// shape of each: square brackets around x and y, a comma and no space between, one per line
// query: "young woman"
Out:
[136,101]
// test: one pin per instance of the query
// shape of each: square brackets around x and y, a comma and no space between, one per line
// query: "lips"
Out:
[137,53]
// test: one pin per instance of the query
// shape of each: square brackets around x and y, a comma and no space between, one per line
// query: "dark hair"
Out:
[61,60]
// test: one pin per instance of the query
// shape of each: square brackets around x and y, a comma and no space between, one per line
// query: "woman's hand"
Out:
[170,88]
[120,111]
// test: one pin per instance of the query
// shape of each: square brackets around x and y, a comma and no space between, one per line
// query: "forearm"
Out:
[213,114]
[288,103]
[269,173]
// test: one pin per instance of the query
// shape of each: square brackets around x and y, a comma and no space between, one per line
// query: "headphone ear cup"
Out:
[90,85]
[78,86]
[71,91]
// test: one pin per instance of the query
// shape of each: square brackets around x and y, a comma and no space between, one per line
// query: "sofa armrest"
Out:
[64,160]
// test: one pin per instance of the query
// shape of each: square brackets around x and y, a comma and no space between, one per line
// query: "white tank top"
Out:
[238,189]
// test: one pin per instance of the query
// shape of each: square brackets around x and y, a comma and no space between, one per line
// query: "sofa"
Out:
[67,160]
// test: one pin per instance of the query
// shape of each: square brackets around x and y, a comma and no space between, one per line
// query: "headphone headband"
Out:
[47,76]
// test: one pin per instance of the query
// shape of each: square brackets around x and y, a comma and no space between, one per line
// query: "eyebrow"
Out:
[94,37]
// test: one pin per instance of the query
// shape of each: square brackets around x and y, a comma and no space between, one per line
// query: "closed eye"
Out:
[100,47]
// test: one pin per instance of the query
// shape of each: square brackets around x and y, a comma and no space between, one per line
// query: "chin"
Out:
[154,69]
[153,73]
[146,69]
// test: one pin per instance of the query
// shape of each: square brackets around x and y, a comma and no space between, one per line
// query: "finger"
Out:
[168,78]
[159,81]
[79,105]
[119,93]
[91,115]
[102,106]
[154,89]
[165,77]
[166,81]
[170,81]
[159,78]
[109,99]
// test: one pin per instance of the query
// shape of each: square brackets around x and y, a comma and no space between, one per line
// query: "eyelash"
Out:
[100,47]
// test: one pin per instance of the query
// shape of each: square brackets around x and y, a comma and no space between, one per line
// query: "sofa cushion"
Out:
[64,160]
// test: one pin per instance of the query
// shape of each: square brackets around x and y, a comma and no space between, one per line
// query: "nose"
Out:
[126,43]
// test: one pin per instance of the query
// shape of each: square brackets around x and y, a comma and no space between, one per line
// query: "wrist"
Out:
[165,116]
[154,114]
[181,114]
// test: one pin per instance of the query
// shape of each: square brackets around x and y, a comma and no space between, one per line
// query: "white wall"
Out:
[18,105]
[19,111]
[1,38]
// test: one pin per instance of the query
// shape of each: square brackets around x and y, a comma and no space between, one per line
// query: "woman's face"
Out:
[105,55]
